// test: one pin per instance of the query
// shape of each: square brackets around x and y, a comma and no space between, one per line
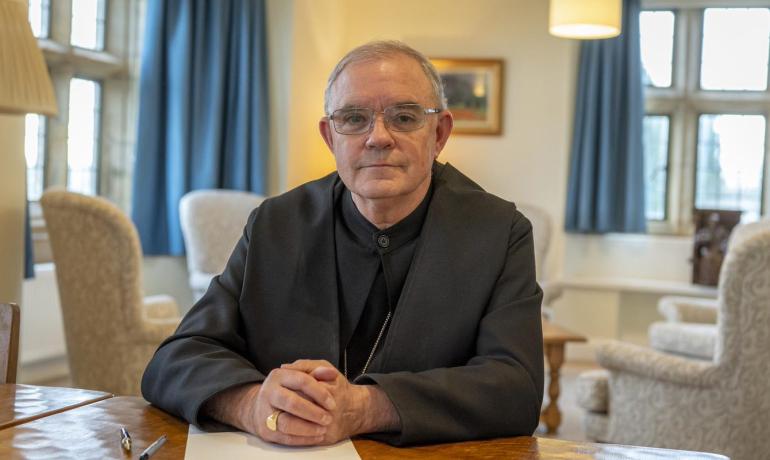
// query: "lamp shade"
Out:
[25,86]
[585,19]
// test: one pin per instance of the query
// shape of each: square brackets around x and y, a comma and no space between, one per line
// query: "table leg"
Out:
[551,415]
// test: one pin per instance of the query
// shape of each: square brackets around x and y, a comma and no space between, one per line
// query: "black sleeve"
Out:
[499,391]
[206,354]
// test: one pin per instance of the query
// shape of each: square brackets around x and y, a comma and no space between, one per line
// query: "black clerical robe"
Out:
[463,357]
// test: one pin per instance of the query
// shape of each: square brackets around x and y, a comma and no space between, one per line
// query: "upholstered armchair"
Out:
[541,231]
[689,328]
[212,222]
[646,397]
[110,330]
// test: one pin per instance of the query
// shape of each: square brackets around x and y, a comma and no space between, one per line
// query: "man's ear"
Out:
[325,128]
[444,126]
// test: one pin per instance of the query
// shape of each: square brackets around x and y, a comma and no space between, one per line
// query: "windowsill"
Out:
[638,285]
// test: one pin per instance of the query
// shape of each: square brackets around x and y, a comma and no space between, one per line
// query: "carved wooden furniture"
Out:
[555,338]
[9,342]
[712,230]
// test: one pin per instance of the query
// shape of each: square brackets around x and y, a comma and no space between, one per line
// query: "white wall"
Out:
[528,162]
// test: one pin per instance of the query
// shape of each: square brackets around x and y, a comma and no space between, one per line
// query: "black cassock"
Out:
[462,358]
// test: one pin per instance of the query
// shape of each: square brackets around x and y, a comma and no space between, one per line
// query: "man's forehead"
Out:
[391,80]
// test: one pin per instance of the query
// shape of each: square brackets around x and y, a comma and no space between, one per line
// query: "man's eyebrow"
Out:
[361,106]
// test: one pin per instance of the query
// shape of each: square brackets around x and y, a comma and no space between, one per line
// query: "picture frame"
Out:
[474,93]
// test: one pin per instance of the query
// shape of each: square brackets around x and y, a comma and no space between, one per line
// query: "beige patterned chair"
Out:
[649,398]
[212,222]
[110,330]
[541,234]
[690,328]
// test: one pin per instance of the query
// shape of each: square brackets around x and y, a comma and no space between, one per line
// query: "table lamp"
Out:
[25,87]
[585,19]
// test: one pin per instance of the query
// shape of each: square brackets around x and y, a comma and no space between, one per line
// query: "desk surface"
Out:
[23,403]
[92,431]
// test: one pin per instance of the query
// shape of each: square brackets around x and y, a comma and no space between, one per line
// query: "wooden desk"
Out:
[22,403]
[92,431]
[554,340]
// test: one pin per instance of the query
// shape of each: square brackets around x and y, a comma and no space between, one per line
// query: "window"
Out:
[83,136]
[708,103]
[657,33]
[92,50]
[39,15]
[88,24]
[34,151]
[728,175]
[656,165]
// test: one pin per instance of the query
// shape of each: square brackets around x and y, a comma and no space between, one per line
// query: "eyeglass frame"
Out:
[374,113]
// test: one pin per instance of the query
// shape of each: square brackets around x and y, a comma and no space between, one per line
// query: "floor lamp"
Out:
[25,87]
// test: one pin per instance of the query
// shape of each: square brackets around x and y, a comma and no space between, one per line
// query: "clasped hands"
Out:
[318,406]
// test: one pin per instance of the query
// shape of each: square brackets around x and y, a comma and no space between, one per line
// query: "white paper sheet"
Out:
[236,445]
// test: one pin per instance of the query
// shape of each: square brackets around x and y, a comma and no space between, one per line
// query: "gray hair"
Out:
[383,49]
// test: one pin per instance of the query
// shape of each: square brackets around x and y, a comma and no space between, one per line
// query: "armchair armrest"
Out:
[552,290]
[645,362]
[688,309]
[155,331]
[160,307]
[161,318]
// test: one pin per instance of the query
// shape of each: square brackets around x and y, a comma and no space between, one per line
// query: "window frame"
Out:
[684,101]
[666,210]
[115,68]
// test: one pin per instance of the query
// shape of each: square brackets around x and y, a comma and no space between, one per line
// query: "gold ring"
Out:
[272,420]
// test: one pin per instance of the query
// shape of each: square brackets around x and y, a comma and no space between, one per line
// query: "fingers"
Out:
[289,440]
[289,401]
[309,386]
[307,365]
[320,369]
[295,426]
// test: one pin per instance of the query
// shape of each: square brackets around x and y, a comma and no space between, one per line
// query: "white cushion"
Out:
[687,339]
[592,389]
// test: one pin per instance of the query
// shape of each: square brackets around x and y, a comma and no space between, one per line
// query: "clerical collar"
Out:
[391,238]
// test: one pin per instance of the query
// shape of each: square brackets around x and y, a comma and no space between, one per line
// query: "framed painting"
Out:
[474,93]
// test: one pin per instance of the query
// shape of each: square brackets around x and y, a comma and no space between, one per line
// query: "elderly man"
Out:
[393,297]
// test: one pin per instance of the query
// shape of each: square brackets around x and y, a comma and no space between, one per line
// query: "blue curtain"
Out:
[203,110]
[606,178]
[29,256]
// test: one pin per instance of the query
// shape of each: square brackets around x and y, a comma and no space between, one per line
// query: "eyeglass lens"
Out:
[405,117]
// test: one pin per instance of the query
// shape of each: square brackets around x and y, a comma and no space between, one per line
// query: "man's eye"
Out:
[404,117]
[354,118]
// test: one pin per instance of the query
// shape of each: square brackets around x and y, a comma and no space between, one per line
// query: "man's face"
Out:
[382,163]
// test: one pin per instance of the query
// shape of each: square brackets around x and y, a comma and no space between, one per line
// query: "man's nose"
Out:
[379,137]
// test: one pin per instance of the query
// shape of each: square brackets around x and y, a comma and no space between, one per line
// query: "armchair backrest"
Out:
[98,270]
[541,233]
[212,223]
[744,231]
[744,308]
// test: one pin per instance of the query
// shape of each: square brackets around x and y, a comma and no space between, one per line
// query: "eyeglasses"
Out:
[403,117]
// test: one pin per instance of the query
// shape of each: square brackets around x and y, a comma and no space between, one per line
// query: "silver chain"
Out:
[371,354]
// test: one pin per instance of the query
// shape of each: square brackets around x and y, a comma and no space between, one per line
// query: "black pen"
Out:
[149,451]
[125,439]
